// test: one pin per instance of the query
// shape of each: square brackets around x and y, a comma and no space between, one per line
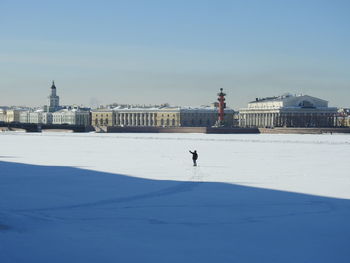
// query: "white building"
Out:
[38,117]
[70,116]
[288,111]
[24,117]
[35,117]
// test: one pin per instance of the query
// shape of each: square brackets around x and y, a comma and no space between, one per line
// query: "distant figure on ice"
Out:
[194,157]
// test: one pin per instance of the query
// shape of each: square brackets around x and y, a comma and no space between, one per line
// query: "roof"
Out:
[282,98]
[273,98]
[169,109]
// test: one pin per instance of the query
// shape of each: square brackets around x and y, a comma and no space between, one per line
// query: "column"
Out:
[128,119]
[132,119]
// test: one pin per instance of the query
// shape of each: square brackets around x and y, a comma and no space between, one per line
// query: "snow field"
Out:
[137,198]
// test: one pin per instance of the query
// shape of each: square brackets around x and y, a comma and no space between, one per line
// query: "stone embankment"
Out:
[210,130]
[304,130]
[181,130]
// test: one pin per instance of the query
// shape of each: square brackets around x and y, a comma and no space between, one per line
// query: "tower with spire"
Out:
[54,100]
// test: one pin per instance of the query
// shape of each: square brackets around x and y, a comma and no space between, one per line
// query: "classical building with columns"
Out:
[170,116]
[288,111]
[159,117]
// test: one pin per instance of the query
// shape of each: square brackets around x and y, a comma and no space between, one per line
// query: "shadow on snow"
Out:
[67,214]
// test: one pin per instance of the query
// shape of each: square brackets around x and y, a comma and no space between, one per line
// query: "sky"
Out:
[180,52]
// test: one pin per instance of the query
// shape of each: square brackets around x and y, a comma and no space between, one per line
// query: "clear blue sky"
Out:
[177,51]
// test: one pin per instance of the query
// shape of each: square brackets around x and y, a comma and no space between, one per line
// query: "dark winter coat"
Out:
[194,155]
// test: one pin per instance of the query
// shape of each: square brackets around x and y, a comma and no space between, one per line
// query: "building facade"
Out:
[2,115]
[73,116]
[46,118]
[146,117]
[288,111]
[103,117]
[38,117]
[204,117]
[343,117]
[35,117]
[24,117]
[12,115]
[159,117]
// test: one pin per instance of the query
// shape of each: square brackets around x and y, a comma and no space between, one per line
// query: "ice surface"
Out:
[137,198]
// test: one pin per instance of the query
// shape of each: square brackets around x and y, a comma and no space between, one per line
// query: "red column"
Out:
[222,106]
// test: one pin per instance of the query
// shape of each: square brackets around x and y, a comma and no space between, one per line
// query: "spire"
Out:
[53,85]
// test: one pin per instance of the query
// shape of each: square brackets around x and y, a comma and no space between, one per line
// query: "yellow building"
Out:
[12,115]
[103,117]
[170,117]
[134,117]
[2,115]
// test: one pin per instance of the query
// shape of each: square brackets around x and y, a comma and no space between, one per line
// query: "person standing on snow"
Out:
[194,157]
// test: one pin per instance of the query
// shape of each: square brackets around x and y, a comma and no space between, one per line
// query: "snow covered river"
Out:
[69,197]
